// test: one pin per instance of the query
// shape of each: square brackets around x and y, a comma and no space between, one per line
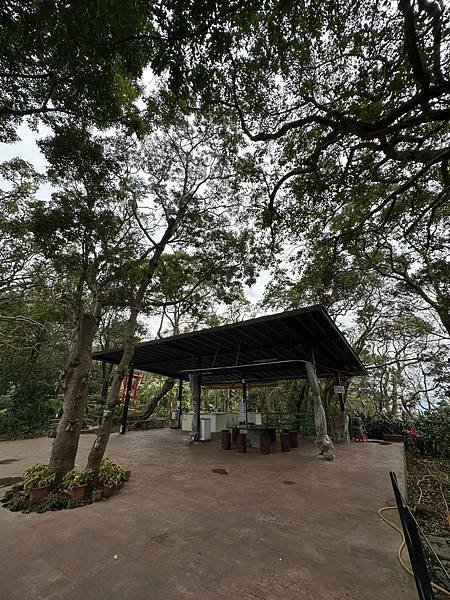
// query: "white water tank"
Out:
[205,429]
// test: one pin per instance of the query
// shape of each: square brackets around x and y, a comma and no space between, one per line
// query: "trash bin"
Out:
[205,430]
[174,421]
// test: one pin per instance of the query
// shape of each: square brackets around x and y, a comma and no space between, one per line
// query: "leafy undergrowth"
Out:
[9,436]
[54,501]
[429,492]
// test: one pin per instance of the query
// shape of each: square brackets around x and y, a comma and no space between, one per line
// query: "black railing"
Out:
[413,535]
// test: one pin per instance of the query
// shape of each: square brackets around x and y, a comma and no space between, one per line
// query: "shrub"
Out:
[432,433]
[18,502]
[77,477]
[378,425]
[38,475]
[110,473]
[54,501]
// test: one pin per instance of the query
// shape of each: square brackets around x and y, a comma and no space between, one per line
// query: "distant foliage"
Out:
[26,412]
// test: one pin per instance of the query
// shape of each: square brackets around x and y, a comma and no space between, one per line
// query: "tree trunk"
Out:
[152,405]
[323,440]
[99,446]
[106,373]
[394,404]
[76,384]
[445,319]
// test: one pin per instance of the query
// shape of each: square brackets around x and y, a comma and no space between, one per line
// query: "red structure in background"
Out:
[137,378]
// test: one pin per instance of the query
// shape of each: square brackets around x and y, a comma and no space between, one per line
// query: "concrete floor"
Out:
[283,526]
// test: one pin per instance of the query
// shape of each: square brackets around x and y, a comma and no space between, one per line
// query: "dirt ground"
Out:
[283,526]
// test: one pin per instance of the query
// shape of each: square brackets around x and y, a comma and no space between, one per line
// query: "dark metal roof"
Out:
[284,340]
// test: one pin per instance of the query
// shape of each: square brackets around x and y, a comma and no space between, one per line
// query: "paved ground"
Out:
[284,526]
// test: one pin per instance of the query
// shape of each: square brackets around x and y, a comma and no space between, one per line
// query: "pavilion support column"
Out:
[344,411]
[180,400]
[244,397]
[322,440]
[126,404]
[196,388]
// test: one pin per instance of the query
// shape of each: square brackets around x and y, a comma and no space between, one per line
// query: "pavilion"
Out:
[298,344]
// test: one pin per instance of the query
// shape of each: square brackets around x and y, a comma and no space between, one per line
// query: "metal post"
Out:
[126,404]
[180,399]
[244,396]
[199,403]
[413,544]
[337,378]
[196,387]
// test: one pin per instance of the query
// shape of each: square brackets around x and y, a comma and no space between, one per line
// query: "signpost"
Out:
[242,414]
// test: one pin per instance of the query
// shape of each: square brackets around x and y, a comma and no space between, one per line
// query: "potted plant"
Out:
[111,476]
[38,480]
[76,480]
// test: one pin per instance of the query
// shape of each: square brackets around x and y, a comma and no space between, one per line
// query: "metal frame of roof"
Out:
[266,349]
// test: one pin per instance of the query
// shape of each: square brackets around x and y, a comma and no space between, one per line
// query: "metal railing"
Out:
[301,422]
[414,537]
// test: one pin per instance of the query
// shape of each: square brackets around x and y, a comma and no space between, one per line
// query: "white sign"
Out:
[339,389]
[242,413]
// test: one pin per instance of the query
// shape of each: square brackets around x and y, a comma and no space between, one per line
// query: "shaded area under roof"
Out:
[283,340]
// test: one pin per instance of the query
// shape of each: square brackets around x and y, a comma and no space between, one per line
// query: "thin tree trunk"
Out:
[152,405]
[106,373]
[323,440]
[394,404]
[98,448]
[76,384]
[445,319]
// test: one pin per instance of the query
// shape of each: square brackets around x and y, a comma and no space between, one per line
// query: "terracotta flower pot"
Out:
[109,490]
[77,492]
[37,494]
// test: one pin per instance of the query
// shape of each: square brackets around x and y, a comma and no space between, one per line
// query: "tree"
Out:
[397,339]
[402,356]
[33,346]
[186,199]
[60,60]
[18,262]
[344,113]
[316,84]
[84,233]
